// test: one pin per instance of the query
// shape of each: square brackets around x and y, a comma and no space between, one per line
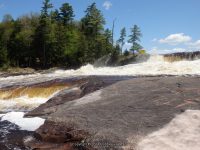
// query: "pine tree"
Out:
[45,9]
[6,29]
[108,36]
[66,14]
[55,16]
[42,35]
[122,38]
[135,38]
[93,26]
[53,38]
[108,42]
[93,21]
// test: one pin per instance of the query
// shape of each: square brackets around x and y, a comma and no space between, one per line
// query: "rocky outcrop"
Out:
[182,55]
[118,116]
[11,137]
[79,87]
[16,72]
[110,60]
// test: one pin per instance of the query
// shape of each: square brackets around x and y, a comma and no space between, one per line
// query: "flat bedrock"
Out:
[116,116]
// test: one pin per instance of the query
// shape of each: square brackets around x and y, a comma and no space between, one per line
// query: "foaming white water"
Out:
[182,133]
[154,66]
[29,124]
[23,103]
[28,79]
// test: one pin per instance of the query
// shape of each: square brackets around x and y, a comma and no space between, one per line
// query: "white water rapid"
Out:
[156,65]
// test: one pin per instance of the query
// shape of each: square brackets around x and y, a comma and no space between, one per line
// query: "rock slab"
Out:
[120,115]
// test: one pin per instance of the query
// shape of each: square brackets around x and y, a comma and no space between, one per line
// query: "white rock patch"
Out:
[90,98]
[182,133]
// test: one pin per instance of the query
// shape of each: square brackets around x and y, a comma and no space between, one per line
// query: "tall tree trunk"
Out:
[113,28]
[44,56]
[122,48]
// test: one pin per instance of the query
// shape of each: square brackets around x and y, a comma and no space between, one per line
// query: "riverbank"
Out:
[16,71]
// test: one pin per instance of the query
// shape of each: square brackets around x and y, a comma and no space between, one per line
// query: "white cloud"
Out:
[156,50]
[175,39]
[127,46]
[194,45]
[107,5]
[186,42]
[179,49]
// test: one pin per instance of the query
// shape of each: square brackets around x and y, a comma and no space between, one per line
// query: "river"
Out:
[20,98]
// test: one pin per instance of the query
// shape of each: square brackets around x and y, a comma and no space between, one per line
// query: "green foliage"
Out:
[92,27]
[93,21]
[55,16]
[54,39]
[7,18]
[142,51]
[108,35]
[122,38]
[135,47]
[66,13]
[46,6]
[6,29]
[126,53]
[135,38]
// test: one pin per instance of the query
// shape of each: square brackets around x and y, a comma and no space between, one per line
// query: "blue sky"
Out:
[167,25]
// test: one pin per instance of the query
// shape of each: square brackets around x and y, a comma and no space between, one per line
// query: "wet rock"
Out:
[182,55]
[118,116]
[11,137]
[16,72]
[109,60]
[79,88]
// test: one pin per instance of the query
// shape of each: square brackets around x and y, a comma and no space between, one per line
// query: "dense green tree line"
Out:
[54,39]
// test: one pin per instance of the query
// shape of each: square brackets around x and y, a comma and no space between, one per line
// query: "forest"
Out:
[53,38]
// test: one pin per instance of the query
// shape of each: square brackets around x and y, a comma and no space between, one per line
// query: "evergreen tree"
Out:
[52,38]
[122,38]
[108,41]
[55,16]
[45,9]
[135,38]
[92,26]
[6,29]
[66,13]
[108,36]
[42,35]
[7,18]
[20,52]
[15,45]
[93,21]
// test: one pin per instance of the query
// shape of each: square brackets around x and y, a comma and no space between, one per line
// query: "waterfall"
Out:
[155,65]
[25,98]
